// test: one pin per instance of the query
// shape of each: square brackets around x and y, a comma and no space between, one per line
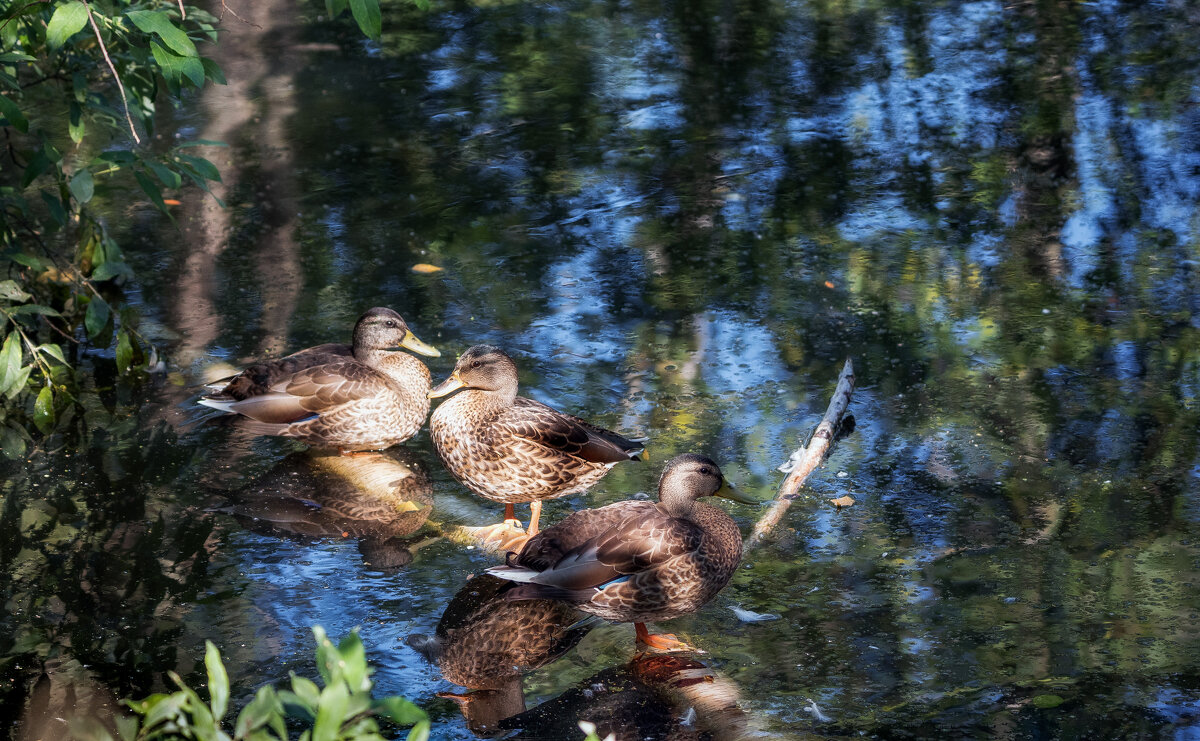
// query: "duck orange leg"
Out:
[535,514]
[660,641]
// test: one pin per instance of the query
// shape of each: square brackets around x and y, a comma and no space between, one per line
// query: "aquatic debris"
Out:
[425,268]
[689,718]
[843,501]
[816,712]
[749,616]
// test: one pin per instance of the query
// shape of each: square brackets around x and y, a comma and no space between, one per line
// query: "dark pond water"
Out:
[679,218]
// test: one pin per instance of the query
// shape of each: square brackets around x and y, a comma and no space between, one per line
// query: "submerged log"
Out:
[805,459]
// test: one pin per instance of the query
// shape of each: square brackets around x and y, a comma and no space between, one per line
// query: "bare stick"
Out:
[805,460]
[182,12]
[112,68]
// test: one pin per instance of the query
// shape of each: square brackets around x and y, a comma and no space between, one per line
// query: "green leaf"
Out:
[218,679]
[27,260]
[1045,702]
[13,114]
[421,4]
[76,126]
[419,732]
[10,359]
[55,207]
[263,710]
[335,7]
[203,167]
[17,384]
[354,662]
[96,317]
[29,309]
[158,22]
[53,351]
[151,190]
[306,690]
[82,186]
[331,712]
[111,269]
[12,443]
[43,410]
[67,20]
[15,56]
[399,710]
[11,291]
[166,175]
[175,67]
[124,360]
[366,14]
[212,71]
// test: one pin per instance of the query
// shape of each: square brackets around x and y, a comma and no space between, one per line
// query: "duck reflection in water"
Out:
[485,643]
[382,500]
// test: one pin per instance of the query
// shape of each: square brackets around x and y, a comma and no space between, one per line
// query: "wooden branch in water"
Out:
[804,460]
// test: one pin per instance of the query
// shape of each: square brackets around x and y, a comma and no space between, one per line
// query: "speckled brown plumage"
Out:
[511,449]
[361,397]
[637,561]
[484,641]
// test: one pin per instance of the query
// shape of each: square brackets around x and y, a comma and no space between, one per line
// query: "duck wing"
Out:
[310,391]
[639,542]
[261,377]
[550,428]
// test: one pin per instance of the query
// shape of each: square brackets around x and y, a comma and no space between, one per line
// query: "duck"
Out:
[638,561]
[510,449]
[361,397]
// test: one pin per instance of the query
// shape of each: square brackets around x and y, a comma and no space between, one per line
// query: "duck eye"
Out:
[475,363]
[704,471]
[390,323]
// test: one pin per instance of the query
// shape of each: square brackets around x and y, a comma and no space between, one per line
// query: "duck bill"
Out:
[411,342]
[449,386]
[730,492]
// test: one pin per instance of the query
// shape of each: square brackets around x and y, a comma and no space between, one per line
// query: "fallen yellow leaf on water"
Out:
[842,501]
[424,267]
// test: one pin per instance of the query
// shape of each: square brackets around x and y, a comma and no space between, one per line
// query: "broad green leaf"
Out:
[15,56]
[306,690]
[12,443]
[166,175]
[124,360]
[399,710]
[199,714]
[67,20]
[354,662]
[38,164]
[335,7]
[366,14]
[55,207]
[31,309]
[82,186]
[96,317]
[212,71]
[331,712]
[151,190]
[111,269]
[419,732]
[10,359]
[158,22]
[296,708]
[43,410]
[52,350]
[29,261]
[218,679]
[203,167]
[127,727]
[17,384]
[11,291]
[421,5]
[76,126]
[175,67]
[259,712]
[11,112]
